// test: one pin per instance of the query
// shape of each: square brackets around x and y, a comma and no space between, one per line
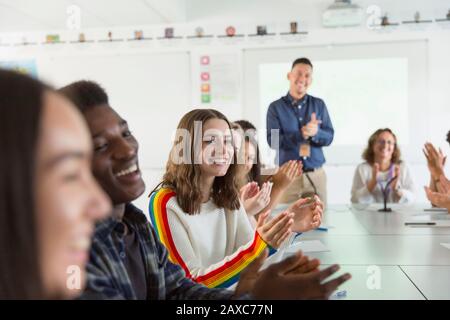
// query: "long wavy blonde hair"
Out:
[184,178]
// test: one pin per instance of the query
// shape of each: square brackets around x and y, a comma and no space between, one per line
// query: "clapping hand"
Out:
[311,128]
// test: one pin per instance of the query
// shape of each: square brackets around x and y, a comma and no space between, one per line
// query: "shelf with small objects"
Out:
[446,19]
[82,40]
[200,34]
[25,43]
[444,23]
[53,39]
[200,38]
[261,31]
[294,34]
[385,25]
[417,19]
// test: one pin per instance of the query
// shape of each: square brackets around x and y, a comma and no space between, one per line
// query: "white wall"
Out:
[308,12]
[436,111]
[305,11]
[218,14]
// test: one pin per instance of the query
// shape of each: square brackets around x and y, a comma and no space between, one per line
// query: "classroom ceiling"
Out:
[26,15]
[34,15]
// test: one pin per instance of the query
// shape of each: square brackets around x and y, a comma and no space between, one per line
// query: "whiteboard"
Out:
[373,93]
[410,58]
[151,91]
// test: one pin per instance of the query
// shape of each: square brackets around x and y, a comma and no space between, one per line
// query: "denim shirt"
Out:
[288,116]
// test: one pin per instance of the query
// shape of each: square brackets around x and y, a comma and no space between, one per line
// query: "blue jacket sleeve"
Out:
[287,140]
[325,134]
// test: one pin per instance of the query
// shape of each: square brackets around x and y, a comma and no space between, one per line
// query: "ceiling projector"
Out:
[342,13]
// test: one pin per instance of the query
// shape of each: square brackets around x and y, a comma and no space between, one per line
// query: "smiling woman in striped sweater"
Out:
[196,210]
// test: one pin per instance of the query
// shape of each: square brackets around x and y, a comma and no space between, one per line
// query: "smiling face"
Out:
[115,161]
[68,199]
[300,79]
[217,148]
[384,147]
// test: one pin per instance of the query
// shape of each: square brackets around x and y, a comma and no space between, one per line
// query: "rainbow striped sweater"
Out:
[212,247]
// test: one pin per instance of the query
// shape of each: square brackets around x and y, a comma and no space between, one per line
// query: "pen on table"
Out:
[420,223]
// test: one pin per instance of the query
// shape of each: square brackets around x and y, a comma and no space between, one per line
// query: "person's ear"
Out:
[288,76]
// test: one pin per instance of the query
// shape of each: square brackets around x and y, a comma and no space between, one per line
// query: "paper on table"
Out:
[421,217]
[307,246]
[441,216]
[446,245]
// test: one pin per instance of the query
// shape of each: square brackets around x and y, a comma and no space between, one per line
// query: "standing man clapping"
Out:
[304,128]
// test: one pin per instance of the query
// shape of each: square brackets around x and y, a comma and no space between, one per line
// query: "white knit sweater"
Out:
[363,174]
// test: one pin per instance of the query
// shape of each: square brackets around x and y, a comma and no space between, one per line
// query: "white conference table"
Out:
[410,261]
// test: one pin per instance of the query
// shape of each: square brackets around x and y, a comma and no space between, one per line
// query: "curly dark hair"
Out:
[85,94]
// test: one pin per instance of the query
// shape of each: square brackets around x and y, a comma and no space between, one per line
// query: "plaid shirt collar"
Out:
[132,215]
[107,274]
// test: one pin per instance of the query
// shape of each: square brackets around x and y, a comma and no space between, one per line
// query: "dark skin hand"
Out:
[296,277]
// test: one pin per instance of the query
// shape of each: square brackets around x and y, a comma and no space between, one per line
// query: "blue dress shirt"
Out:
[288,116]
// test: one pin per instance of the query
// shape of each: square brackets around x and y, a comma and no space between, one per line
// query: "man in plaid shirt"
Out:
[108,277]
[126,259]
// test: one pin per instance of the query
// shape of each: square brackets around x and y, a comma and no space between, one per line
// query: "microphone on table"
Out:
[385,192]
